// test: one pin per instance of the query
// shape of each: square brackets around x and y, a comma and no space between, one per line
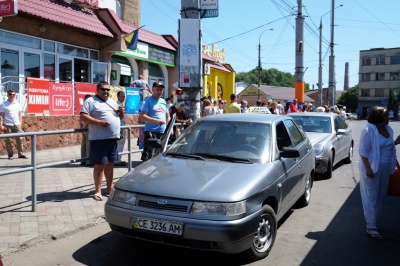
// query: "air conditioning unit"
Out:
[206,69]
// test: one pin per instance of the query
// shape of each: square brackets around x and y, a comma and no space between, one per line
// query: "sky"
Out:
[242,25]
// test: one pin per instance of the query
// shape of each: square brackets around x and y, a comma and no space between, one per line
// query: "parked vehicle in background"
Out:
[222,186]
[352,116]
[331,138]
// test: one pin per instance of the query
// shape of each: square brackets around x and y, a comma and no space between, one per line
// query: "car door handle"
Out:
[279,185]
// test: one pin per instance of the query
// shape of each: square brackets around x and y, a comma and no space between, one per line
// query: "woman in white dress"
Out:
[208,108]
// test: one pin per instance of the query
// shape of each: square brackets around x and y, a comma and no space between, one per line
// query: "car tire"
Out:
[304,200]
[265,235]
[349,157]
[328,173]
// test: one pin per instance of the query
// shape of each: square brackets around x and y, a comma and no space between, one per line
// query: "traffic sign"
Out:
[209,8]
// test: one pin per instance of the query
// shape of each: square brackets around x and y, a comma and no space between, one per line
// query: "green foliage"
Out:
[349,98]
[271,77]
[392,102]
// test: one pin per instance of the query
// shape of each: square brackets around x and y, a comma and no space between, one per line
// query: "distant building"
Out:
[379,72]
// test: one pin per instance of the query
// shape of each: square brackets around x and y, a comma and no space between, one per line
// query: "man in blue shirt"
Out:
[155,115]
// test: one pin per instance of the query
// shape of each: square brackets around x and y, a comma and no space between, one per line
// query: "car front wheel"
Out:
[264,236]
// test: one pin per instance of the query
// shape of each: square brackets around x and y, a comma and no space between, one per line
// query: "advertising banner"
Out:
[61,98]
[132,102]
[81,90]
[8,8]
[38,96]
[189,53]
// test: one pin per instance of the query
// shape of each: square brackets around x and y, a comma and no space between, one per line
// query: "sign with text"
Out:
[189,53]
[209,8]
[38,96]
[61,98]
[81,90]
[132,102]
[8,8]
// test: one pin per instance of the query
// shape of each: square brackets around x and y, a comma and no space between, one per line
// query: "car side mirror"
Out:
[289,152]
[341,132]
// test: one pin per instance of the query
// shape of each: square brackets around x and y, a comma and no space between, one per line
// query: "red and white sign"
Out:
[61,98]
[8,8]
[81,90]
[38,96]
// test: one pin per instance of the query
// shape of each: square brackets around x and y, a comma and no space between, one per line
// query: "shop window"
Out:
[49,46]
[21,40]
[65,69]
[10,69]
[31,65]
[72,50]
[49,66]
[99,72]
[81,70]
[94,55]
[155,71]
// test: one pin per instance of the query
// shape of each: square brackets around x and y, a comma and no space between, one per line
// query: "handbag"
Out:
[394,182]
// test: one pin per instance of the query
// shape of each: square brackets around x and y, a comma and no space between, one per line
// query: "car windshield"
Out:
[318,124]
[227,141]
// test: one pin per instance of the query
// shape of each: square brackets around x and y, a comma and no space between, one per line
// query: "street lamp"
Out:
[331,70]
[259,68]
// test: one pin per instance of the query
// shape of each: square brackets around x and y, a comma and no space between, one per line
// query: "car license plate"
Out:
[158,225]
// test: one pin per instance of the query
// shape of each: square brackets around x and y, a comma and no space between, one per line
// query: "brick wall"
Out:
[49,123]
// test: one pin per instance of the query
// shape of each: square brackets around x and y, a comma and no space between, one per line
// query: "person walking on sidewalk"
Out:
[103,116]
[10,122]
[378,160]
[121,142]
[155,115]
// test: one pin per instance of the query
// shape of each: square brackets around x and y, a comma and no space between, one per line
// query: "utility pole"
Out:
[259,68]
[332,81]
[299,46]
[320,103]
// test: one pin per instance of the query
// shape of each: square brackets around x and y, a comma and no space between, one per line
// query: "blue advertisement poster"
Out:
[132,104]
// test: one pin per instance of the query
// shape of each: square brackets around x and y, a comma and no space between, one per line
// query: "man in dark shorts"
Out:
[155,115]
[103,116]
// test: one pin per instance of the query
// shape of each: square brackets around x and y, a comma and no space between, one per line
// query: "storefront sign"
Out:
[81,90]
[38,96]
[8,8]
[215,53]
[142,51]
[159,55]
[132,102]
[61,98]
[189,53]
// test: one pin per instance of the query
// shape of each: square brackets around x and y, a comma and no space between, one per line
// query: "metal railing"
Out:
[34,166]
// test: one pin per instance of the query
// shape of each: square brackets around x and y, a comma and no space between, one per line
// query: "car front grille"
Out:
[166,207]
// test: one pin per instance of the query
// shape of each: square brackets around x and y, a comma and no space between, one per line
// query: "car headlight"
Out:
[218,208]
[318,149]
[124,196]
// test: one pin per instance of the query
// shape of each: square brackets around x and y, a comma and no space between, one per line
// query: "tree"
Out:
[349,98]
[271,77]
[392,101]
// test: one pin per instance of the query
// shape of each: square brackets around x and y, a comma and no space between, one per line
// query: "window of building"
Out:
[380,60]
[49,46]
[72,50]
[395,60]
[365,76]
[365,92]
[380,76]
[32,65]
[394,75]
[21,40]
[379,92]
[366,61]
[49,67]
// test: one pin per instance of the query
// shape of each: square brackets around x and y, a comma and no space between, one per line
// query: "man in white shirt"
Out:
[10,122]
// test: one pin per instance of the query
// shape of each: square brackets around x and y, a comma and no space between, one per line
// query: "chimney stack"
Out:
[346,76]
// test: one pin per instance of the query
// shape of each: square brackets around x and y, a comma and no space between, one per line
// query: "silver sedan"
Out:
[222,186]
[331,138]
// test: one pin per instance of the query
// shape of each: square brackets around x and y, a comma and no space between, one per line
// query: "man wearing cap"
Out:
[155,115]
[233,106]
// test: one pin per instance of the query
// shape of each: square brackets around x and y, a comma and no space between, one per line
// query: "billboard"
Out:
[61,98]
[132,102]
[81,90]
[38,96]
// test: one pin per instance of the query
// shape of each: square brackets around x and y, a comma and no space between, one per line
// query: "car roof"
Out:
[245,117]
[313,114]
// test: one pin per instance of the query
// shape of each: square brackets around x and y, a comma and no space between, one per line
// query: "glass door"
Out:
[31,65]
[65,70]
[10,69]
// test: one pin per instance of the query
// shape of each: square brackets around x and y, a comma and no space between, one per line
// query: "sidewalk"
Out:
[64,198]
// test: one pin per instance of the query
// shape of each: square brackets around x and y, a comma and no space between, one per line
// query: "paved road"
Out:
[330,231]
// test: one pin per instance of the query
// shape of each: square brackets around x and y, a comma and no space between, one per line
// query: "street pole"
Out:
[299,46]
[259,68]
[320,66]
[332,82]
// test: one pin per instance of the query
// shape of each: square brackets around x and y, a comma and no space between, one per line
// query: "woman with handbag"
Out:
[378,160]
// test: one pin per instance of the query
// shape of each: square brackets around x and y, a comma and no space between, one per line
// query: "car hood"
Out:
[210,180]
[316,138]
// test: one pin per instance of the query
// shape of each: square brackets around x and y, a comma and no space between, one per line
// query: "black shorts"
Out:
[103,151]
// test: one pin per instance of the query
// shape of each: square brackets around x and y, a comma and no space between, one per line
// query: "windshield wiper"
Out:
[185,155]
[225,158]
